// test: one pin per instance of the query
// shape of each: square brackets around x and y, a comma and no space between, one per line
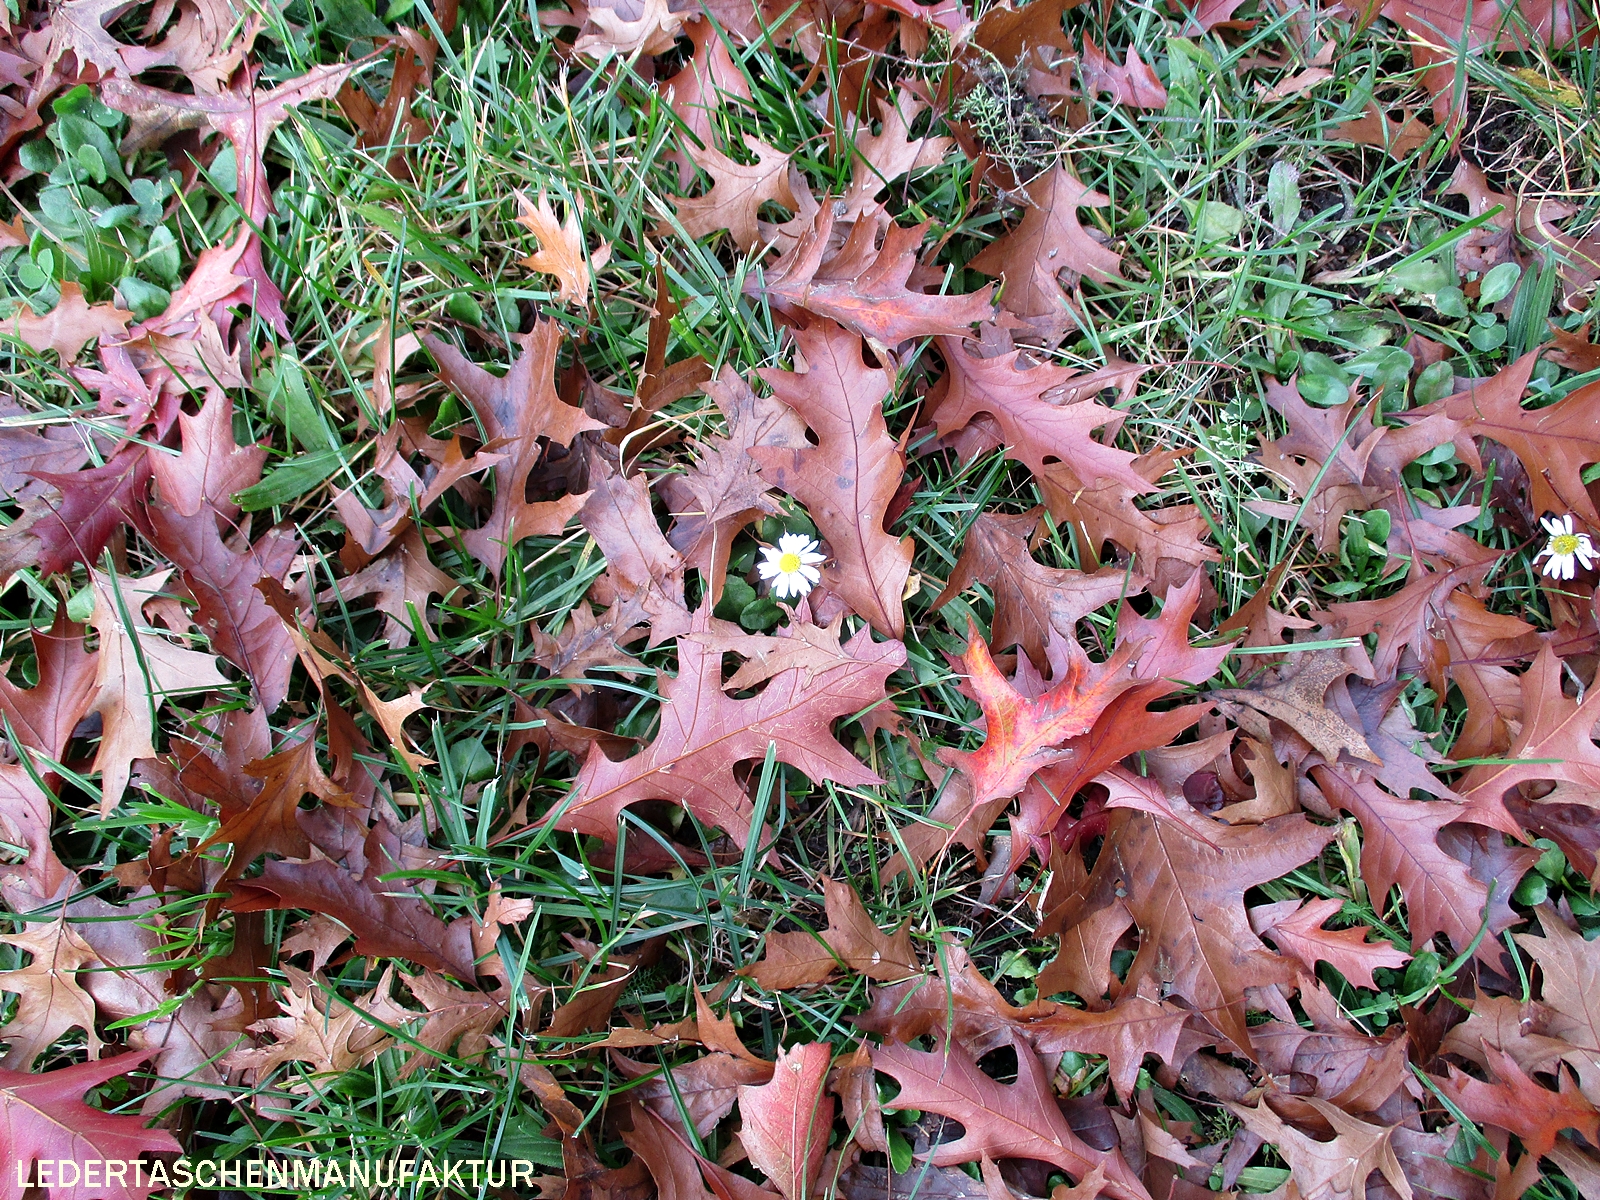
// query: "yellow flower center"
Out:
[790,563]
[1561,545]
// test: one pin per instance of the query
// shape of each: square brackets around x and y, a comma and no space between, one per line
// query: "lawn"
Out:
[784,600]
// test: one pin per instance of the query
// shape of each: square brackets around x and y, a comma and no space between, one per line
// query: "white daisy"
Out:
[1565,548]
[791,565]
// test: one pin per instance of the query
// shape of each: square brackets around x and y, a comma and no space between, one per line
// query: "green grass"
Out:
[357,248]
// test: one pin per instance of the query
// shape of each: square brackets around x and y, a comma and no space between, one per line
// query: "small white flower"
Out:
[791,565]
[1565,548]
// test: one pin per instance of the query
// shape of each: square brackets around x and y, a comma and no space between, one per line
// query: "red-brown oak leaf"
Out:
[1517,1104]
[43,1117]
[705,733]
[1555,443]
[236,617]
[1030,599]
[1554,743]
[67,327]
[788,1119]
[696,92]
[520,412]
[851,938]
[849,478]
[1332,1170]
[1046,414]
[1400,846]
[1050,239]
[1024,733]
[864,286]
[388,919]
[722,491]
[738,190]
[1002,1120]
[45,715]
[211,467]
[89,506]
[1296,929]
[268,824]
[247,118]
[1187,897]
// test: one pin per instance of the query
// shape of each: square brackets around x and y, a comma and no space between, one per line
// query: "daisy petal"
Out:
[811,573]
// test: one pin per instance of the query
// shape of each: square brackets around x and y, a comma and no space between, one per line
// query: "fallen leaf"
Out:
[847,480]
[520,412]
[1518,1105]
[1299,700]
[787,1120]
[851,938]
[561,249]
[389,919]
[135,671]
[1298,932]
[1333,1170]
[704,733]
[50,1000]
[43,1118]
[1015,1120]
[69,326]
[1187,897]
[864,286]
[1030,600]
[1050,239]
[737,192]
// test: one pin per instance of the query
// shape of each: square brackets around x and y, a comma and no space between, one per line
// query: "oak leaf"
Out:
[722,491]
[852,938]
[1555,443]
[1187,897]
[329,1037]
[88,507]
[696,92]
[389,920]
[704,733]
[703,1091]
[1049,240]
[848,479]
[645,572]
[50,1000]
[1401,138]
[25,817]
[457,1022]
[1136,1025]
[1571,990]
[519,411]
[1296,929]
[1300,701]
[188,1040]
[26,452]
[1045,413]
[268,824]
[69,326]
[241,626]
[1333,1170]
[1132,84]
[44,1117]
[401,579]
[1015,1120]
[561,249]
[1030,600]
[45,715]
[135,671]
[211,467]
[738,191]
[247,118]
[1555,734]
[1024,733]
[1517,1104]
[864,286]
[1400,846]
[648,26]
[787,1120]
[883,157]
